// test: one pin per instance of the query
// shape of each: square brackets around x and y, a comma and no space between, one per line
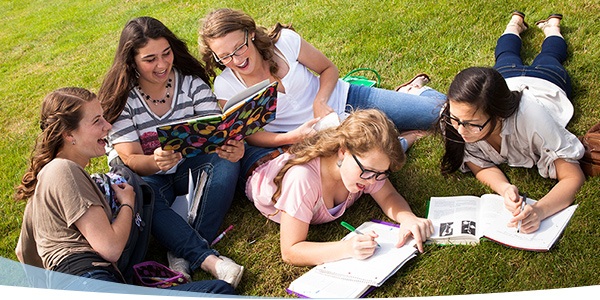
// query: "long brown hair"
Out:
[362,131]
[121,77]
[485,89]
[60,113]
[223,21]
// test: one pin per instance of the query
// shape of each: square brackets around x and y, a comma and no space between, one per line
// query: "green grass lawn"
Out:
[49,44]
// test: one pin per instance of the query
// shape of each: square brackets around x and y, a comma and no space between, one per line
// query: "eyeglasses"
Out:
[368,174]
[454,122]
[237,52]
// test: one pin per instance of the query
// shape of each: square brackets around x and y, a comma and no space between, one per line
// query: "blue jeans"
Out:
[191,242]
[546,65]
[202,286]
[251,155]
[407,111]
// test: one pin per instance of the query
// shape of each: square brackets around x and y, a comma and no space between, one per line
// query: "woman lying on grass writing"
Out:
[321,176]
[516,114]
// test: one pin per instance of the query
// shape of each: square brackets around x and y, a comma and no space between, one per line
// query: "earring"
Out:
[73,142]
[137,74]
[253,39]
[339,163]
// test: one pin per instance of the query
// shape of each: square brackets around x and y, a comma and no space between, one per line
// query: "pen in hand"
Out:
[523,203]
[351,228]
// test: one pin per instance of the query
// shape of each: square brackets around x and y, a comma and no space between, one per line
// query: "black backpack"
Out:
[139,237]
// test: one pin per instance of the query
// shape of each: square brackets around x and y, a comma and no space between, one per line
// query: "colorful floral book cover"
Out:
[205,134]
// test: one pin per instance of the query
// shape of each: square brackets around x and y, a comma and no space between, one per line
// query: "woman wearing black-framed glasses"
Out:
[516,114]
[309,84]
[320,177]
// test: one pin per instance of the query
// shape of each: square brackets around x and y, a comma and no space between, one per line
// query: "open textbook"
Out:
[466,219]
[243,114]
[354,278]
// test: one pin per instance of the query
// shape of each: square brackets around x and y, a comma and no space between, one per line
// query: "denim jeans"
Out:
[546,65]
[251,155]
[191,242]
[202,286]
[407,111]
[206,286]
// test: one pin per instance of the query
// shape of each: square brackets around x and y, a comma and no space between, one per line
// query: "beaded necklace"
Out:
[156,101]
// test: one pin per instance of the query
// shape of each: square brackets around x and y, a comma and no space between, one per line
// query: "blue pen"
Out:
[351,228]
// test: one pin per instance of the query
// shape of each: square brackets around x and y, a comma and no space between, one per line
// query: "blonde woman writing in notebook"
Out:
[320,177]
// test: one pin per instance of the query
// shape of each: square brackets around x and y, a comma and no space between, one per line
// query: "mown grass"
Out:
[45,45]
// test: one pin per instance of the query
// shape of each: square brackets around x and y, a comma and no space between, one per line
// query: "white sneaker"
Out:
[180,265]
[229,271]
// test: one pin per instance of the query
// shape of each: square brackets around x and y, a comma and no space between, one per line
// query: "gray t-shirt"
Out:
[64,193]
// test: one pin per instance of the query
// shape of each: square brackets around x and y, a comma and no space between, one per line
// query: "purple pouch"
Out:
[153,274]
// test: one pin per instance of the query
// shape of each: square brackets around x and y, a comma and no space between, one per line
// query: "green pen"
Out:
[351,228]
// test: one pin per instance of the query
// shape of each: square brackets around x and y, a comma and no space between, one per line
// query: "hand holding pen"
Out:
[351,228]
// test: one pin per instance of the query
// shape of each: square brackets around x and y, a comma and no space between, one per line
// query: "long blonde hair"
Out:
[61,112]
[362,131]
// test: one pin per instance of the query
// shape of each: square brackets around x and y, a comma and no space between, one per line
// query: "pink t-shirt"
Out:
[301,195]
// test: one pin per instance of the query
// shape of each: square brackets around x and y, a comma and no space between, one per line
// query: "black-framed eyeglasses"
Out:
[237,52]
[368,174]
[454,122]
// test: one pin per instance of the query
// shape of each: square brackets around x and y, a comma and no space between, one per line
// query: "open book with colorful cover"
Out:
[355,278]
[467,219]
[244,114]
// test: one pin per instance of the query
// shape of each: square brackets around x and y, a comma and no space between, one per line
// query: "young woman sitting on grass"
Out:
[154,80]
[321,176]
[309,84]
[68,225]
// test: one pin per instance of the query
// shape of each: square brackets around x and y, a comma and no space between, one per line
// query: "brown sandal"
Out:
[543,23]
[525,26]
[426,80]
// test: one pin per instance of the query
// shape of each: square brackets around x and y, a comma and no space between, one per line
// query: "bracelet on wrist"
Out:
[127,205]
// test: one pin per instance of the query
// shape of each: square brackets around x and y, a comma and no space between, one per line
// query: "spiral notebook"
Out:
[354,278]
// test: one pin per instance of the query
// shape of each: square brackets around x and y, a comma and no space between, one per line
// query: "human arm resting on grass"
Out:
[296,250]
[497,181]
[328,73]
[396,207]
